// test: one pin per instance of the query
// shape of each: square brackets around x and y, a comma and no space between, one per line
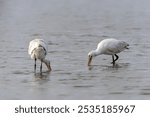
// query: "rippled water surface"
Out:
[72,28]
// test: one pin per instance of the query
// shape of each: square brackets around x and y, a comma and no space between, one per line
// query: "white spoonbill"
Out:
[38,50]
[109,47]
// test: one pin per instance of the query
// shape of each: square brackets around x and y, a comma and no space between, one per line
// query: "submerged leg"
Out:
[113,61]
[113,58]
[41,67]
[35,66]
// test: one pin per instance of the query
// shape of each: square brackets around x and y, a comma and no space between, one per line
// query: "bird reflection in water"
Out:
[42,76]
[113,66]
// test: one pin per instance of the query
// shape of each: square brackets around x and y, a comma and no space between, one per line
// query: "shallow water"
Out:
[72,28]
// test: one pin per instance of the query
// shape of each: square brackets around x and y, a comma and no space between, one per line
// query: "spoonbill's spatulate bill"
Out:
[109,47]
[38,50]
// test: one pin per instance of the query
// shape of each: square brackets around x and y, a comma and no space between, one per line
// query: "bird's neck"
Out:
[45,61]
[96,52]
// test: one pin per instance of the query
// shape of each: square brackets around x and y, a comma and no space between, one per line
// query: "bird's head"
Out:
[91,54]
[47,63]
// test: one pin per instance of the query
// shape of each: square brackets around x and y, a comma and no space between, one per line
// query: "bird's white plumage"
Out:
[37,45]
[111,46]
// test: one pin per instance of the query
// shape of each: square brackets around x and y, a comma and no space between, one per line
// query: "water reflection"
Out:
[112,66]
[42,76]
[70,35]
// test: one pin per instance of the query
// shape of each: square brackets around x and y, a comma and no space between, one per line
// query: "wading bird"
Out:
[38,50]
[108,47]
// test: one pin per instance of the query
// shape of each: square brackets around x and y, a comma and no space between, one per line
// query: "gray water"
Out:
[72,28]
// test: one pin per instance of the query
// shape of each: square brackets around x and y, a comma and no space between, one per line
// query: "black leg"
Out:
[41,67]
[35,66]
[116,57]
[113,61]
